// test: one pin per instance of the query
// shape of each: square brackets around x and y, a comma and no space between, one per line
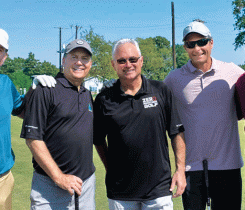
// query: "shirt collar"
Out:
[145,87]
[65,82]
[193,69]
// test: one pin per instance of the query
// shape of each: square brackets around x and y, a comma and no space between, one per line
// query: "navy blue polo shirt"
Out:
[62,117]
[135,126]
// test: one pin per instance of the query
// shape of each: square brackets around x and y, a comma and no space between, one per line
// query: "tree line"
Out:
[21,70]
[157,53]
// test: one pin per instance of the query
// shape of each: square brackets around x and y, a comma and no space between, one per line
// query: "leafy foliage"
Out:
[102,49]
[48,68]
[33,66]
[239,13]
[20,80]
[10,66]
[242,66]
[181,55]
[157,58]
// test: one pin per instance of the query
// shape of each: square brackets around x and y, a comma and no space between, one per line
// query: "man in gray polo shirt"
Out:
[204,90]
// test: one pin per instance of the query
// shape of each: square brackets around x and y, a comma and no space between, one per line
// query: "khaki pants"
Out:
[6,188]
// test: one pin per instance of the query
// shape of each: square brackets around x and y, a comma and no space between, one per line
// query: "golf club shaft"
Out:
[76,202]
[205,168]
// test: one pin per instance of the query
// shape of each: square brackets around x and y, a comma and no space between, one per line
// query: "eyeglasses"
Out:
[131,60]
[200,43]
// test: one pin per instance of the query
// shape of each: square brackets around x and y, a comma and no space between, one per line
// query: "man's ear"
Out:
[4,58]
[112,63]
[212,43]
[141,60]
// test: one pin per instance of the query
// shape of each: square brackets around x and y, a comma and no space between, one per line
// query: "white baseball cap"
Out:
[196,27]
[4,39]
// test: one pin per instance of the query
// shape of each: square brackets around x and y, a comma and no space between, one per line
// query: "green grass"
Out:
[22,172]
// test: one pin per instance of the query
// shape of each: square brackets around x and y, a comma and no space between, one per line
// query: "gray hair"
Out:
[124,41]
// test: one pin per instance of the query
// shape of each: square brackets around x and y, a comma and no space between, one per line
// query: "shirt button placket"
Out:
[80,102]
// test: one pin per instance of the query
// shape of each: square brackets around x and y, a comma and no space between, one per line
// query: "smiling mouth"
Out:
[200,55]
[78,69]
[128,71]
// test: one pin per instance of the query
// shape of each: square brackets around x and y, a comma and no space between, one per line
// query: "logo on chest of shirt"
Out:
[150,102]
[90,108]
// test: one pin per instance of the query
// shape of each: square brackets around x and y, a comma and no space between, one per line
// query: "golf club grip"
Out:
[205,168]
[76,202]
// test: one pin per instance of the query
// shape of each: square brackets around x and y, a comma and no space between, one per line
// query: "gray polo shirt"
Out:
[206,106]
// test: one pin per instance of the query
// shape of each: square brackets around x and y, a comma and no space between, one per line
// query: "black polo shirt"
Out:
[63,118]
[135,126]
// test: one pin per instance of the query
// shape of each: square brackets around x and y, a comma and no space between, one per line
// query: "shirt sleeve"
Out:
[100,128]
[18,102]
[240,96]
[175,125]
[167,79]
[35,121]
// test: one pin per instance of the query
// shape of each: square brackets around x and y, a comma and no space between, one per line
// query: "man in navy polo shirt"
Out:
[58,128]
[135,114]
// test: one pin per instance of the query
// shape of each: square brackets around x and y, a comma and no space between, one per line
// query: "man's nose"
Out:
[128,63]
[79,62]
[197,47]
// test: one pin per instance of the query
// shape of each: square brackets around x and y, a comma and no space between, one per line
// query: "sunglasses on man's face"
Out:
[200,43]
[131,60]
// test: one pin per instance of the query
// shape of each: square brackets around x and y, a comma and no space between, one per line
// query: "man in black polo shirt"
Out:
[135,114]
[58,128]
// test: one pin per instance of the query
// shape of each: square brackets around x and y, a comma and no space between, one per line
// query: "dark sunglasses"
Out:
[200,43]
[131,60]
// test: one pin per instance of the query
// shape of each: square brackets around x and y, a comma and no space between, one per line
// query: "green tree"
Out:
[157,57]
[14,69]
[48,69]
[12,65]
[239,13]
[242,66]
[32,66]
[101,67]
[161,42]
[20,80]
[7,67]
[181,55]
[19,64]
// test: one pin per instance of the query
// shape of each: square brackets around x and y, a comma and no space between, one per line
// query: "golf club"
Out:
[205,168]
[76,202]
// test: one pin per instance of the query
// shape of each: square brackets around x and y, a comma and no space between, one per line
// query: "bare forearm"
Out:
[44,159]
[179,148]
[178,179]
[102,151]
[26,100]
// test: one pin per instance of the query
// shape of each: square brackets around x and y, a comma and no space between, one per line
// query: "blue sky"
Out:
[31,23]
